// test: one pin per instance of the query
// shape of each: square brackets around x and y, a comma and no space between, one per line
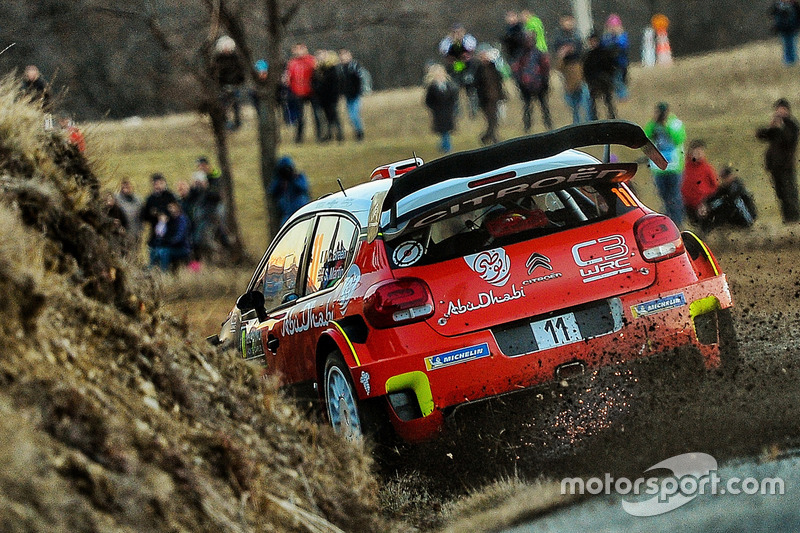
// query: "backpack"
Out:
[532,70]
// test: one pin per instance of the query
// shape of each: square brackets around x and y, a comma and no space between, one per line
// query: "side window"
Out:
[280,273]
[331,252]
[340,256]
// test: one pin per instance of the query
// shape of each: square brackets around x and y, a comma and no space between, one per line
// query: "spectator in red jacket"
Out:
[699,181]
[299,72]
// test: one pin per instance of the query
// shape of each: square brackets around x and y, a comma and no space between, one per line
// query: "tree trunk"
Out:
[268,144]
[233,246]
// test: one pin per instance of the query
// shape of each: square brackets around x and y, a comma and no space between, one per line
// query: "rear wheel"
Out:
[349,417]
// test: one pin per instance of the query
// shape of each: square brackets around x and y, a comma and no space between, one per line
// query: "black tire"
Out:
[729,354]
[349,417]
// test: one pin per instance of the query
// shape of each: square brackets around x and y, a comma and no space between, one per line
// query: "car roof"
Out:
[355,200]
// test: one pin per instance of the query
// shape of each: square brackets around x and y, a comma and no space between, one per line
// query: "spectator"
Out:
[458,48]
[352,89]
[131,206]
[326,84]
[599,67]
[514,38]
[699,181]
[230,75]
[35,87]
[171,244]
[532,73]
[155,206]
[212,173]
[615,38]
[289,188]
[441,96]
[731,205]
[668,134]
[786,22]
[489,87]
[568,54]
[535,25]
[299,72]
[74,135]
[202,208]
[115,212]
[780,158]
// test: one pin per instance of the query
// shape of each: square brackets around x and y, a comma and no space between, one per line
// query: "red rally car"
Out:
[478,274]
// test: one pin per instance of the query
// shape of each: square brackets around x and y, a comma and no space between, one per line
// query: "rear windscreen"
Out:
[507,221]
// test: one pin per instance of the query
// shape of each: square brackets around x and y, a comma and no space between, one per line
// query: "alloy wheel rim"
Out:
[342,409]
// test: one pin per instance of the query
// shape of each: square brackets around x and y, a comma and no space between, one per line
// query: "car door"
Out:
[277,280]
[328,256]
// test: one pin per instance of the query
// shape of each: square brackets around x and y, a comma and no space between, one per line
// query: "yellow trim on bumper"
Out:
[419,383]
[703,306]
[706,251]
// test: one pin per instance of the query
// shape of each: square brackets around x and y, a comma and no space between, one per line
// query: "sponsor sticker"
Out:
[455,357]
[493,266]
[656,306]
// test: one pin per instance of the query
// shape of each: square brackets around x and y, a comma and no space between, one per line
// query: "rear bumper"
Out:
[445,372]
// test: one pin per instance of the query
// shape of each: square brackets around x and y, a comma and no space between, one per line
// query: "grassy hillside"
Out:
[113,417]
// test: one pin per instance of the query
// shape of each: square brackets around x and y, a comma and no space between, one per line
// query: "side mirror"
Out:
[252,301]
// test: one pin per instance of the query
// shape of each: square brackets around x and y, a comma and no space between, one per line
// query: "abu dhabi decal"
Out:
[349,285]
[660,304]
[493,266]
[455,357]
[602,258]
[306,318]
[485,299]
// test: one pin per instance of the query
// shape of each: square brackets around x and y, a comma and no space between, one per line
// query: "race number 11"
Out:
[556,331]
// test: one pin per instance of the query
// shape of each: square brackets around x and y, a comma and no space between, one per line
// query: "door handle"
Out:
[272,344]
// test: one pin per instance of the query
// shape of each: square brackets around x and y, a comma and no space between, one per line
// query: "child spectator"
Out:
[441,97]
[699,181]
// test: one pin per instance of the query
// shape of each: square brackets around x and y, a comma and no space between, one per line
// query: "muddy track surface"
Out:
[622,421]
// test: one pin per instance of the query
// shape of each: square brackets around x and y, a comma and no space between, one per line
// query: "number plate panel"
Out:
[556,331]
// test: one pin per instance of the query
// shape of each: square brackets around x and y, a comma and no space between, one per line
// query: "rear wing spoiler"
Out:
[514,151]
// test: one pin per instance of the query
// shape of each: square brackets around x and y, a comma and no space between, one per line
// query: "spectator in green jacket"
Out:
[535,25]
[667,132]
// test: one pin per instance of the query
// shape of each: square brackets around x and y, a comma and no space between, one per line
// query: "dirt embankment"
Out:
[110,420]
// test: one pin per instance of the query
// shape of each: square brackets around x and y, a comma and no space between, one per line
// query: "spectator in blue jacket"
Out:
[171,243]
[289,188]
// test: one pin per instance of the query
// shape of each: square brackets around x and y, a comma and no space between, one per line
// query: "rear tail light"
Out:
[658,237]
[396,302]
